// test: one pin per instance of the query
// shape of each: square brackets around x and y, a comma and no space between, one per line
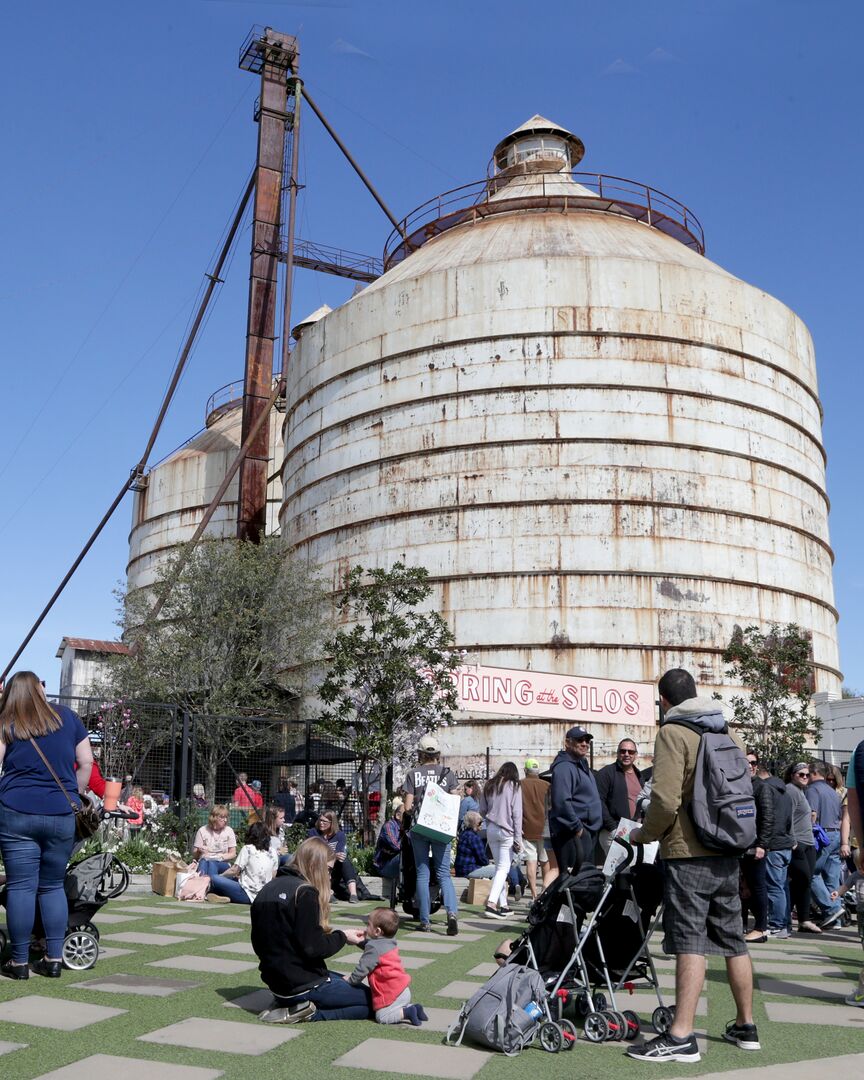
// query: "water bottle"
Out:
[533,1010]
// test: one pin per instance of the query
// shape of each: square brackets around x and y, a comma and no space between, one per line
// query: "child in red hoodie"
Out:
[381,965]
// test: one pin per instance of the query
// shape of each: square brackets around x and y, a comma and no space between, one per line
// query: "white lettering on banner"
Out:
[547,696]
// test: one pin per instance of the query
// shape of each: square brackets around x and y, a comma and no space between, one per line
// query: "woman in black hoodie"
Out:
[292,937]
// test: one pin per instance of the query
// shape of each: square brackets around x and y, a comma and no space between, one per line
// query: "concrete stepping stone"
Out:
[57,1013]
[831,1015]
[129,1069]
[847,1065]
[759,953]
[8,1047]
[108,918]
[151,986]
[213,964]
[645,1003]
[803,988]
[244,947]
[439,1020]
[198,928]
[255,1002]
[437,947]
[416,935]
[392,1056]
[483,971]
[769,967]
[141,909]
[130,937]
[410,963]
[228,919]
[109,952]
[460,990]
[224,1036]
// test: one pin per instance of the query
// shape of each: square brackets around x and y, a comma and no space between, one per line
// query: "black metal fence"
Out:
[179,755]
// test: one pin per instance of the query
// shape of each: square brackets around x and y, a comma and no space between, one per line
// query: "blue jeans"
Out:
[337,999]
[230,887]
[212,866]
[35,850]
[826,876]
[776,873]
[433,855]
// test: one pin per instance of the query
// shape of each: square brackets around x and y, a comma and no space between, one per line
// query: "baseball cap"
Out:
[576,733]
[532,763]
[256,784]
[428,744]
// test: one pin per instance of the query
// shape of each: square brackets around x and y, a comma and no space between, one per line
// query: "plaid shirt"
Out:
[470,853]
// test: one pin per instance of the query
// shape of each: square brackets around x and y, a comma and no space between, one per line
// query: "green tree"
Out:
[390,678]
[774,718]
[234,639]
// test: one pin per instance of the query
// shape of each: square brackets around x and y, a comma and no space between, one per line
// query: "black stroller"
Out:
[404,890]
[88,885]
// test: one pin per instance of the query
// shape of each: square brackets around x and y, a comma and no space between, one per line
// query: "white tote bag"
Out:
[438,818]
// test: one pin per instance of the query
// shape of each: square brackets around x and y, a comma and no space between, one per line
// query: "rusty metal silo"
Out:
[604,447]
[176,492]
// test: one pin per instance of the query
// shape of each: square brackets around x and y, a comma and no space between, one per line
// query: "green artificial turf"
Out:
[311,1055]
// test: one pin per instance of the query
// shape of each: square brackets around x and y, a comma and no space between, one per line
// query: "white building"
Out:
[82,663]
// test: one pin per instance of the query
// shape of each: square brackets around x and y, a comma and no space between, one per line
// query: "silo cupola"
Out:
[538,143]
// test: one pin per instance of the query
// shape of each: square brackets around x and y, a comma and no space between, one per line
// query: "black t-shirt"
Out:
[418,776]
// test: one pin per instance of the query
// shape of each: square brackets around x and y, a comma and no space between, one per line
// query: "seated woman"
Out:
[343,876]
[256,865]
[274,820]
[387,857]
[292,938]
[215,842]
[472,859]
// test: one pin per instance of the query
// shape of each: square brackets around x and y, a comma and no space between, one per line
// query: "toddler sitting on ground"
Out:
[381,965]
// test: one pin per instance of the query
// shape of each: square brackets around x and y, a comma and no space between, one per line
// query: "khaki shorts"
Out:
[534,851]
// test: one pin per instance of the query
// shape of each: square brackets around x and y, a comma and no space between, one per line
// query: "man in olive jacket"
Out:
[702,908]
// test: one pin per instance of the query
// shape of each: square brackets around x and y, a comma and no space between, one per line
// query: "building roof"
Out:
[92,645]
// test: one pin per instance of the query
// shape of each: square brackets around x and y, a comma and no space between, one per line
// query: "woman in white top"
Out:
[255,866]
[501,806]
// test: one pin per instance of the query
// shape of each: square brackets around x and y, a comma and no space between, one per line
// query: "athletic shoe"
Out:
[834,917]
[495,913]
[452,924]
[295,1014]
[856,999]
[425,927]
[779,933]
[744,1036]
[667,1048]
[353,898]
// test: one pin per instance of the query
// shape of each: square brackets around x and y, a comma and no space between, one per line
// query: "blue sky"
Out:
[128,136]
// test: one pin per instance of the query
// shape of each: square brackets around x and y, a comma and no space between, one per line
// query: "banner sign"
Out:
[545,696]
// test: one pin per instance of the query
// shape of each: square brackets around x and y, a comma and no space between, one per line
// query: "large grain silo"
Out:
[171,502]
[604,447]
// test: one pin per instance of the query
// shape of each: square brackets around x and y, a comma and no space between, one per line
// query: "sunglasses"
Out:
[631,752]
[804,774]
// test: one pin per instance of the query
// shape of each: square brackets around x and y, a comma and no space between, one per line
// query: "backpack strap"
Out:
[696,728]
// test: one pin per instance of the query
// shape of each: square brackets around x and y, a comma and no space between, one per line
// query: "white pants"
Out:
[501,845]
[392,1014]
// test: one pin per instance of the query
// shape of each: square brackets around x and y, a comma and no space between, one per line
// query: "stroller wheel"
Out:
[633,1024]
[80,950]
[616,1024]
[568,1030]
[89,928]
[4,941]
[551,1036]
[596,1029]
[661,1019]
[583,1003]
[600,1003]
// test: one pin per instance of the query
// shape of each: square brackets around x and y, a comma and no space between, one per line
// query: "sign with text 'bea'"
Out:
[545,696]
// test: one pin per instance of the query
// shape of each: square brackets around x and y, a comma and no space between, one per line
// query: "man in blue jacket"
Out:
[576,814]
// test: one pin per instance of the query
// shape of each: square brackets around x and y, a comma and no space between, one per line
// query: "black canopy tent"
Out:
[314,751]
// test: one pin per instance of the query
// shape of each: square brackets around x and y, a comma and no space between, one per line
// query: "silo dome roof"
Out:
[317,314]
[539,125]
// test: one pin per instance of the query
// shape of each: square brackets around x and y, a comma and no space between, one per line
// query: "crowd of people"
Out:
[793,877]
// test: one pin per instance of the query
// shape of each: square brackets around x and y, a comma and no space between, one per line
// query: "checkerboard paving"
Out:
[159,1004]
